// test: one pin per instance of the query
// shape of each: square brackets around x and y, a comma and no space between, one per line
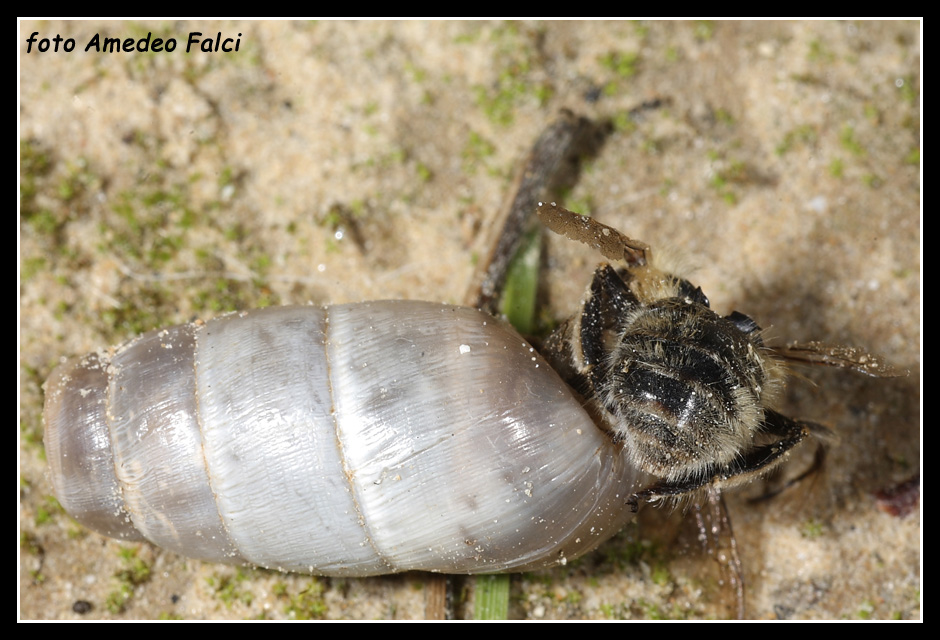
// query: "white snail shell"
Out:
[353,440]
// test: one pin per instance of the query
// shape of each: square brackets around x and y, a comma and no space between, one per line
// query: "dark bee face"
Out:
[686,387]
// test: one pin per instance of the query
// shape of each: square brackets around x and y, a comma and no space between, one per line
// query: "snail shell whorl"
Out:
[353,440]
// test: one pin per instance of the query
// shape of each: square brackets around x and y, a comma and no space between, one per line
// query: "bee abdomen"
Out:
[688,383]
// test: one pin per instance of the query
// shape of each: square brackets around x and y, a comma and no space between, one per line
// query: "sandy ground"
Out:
[782,169]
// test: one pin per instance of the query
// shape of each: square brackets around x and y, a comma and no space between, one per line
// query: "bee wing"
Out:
[719,544]
[699,553]
[840,356]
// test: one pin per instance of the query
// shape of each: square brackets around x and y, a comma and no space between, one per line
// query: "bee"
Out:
[688,392]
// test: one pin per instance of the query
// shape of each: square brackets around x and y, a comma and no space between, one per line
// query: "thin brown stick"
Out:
[439,602]
[540,168]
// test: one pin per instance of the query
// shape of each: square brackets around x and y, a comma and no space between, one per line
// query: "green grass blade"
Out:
[491,597]
[522,284]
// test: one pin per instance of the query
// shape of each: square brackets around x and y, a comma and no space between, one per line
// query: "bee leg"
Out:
[819,459]
[603,314]
[608,241]
[752,464]
[577,348]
